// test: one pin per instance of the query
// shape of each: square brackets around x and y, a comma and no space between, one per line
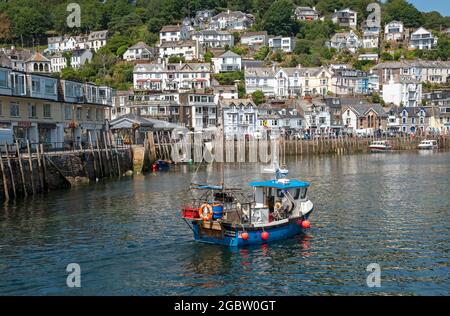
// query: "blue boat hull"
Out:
[231,236]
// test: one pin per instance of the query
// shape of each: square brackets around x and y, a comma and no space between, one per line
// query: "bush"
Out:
[258,97]
[228,78]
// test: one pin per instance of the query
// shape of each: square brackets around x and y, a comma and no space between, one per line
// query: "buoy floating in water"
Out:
[265,235]
[306,224]
[244,235]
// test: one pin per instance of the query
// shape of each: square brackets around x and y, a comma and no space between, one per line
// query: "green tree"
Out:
[443,47]
[278,19]
[400,10]
[303,47]
[208,56]
[68,57]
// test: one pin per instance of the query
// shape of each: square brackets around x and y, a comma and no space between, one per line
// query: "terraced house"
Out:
[162,77]
[42,109]
[421,70]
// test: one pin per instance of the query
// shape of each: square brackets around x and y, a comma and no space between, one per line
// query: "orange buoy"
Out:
[306,224]
[265,235]
[244,235]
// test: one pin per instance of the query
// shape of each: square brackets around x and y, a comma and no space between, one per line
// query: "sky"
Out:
[442,6]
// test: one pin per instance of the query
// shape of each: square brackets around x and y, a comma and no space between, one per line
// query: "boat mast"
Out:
[223,150]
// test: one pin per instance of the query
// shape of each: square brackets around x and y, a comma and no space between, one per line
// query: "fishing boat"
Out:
[428,145]
[380,146]
[278,209]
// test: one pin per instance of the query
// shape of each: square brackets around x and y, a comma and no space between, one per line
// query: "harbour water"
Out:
[127,236]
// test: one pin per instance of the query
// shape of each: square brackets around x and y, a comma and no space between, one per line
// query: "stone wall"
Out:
[61,170]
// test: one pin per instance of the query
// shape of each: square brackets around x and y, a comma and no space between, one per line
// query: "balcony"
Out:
[229,67]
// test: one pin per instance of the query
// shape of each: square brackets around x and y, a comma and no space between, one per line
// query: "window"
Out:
[78,113]
[36,86]
[68,112]
[31,110]
[14,109]
[3,79]
[50,87]
[47,111]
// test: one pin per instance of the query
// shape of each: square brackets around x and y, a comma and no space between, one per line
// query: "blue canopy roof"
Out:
[280,185]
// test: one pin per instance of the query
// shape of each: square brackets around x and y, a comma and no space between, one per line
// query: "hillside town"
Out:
[206,72]
[249,150]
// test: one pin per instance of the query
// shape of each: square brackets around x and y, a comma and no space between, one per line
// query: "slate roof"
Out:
[182,43]
[229,53]
[260,72]
[140,45]
[98,35]
[362,109]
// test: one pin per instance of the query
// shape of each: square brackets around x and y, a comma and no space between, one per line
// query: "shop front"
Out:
[24,131]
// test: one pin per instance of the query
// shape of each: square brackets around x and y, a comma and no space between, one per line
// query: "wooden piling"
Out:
[41,177]
[5,182]
[30,163]
[22,175]
[108,162]
[10,171]
[109,146]
[99,154]
[117,157]
[44,165]
[91,148]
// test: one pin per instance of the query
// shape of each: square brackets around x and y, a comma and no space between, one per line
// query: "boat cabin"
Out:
[276,199]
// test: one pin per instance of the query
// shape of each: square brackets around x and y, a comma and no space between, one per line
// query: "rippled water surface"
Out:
[127,236]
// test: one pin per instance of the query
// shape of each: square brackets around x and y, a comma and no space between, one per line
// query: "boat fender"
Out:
[206,212]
